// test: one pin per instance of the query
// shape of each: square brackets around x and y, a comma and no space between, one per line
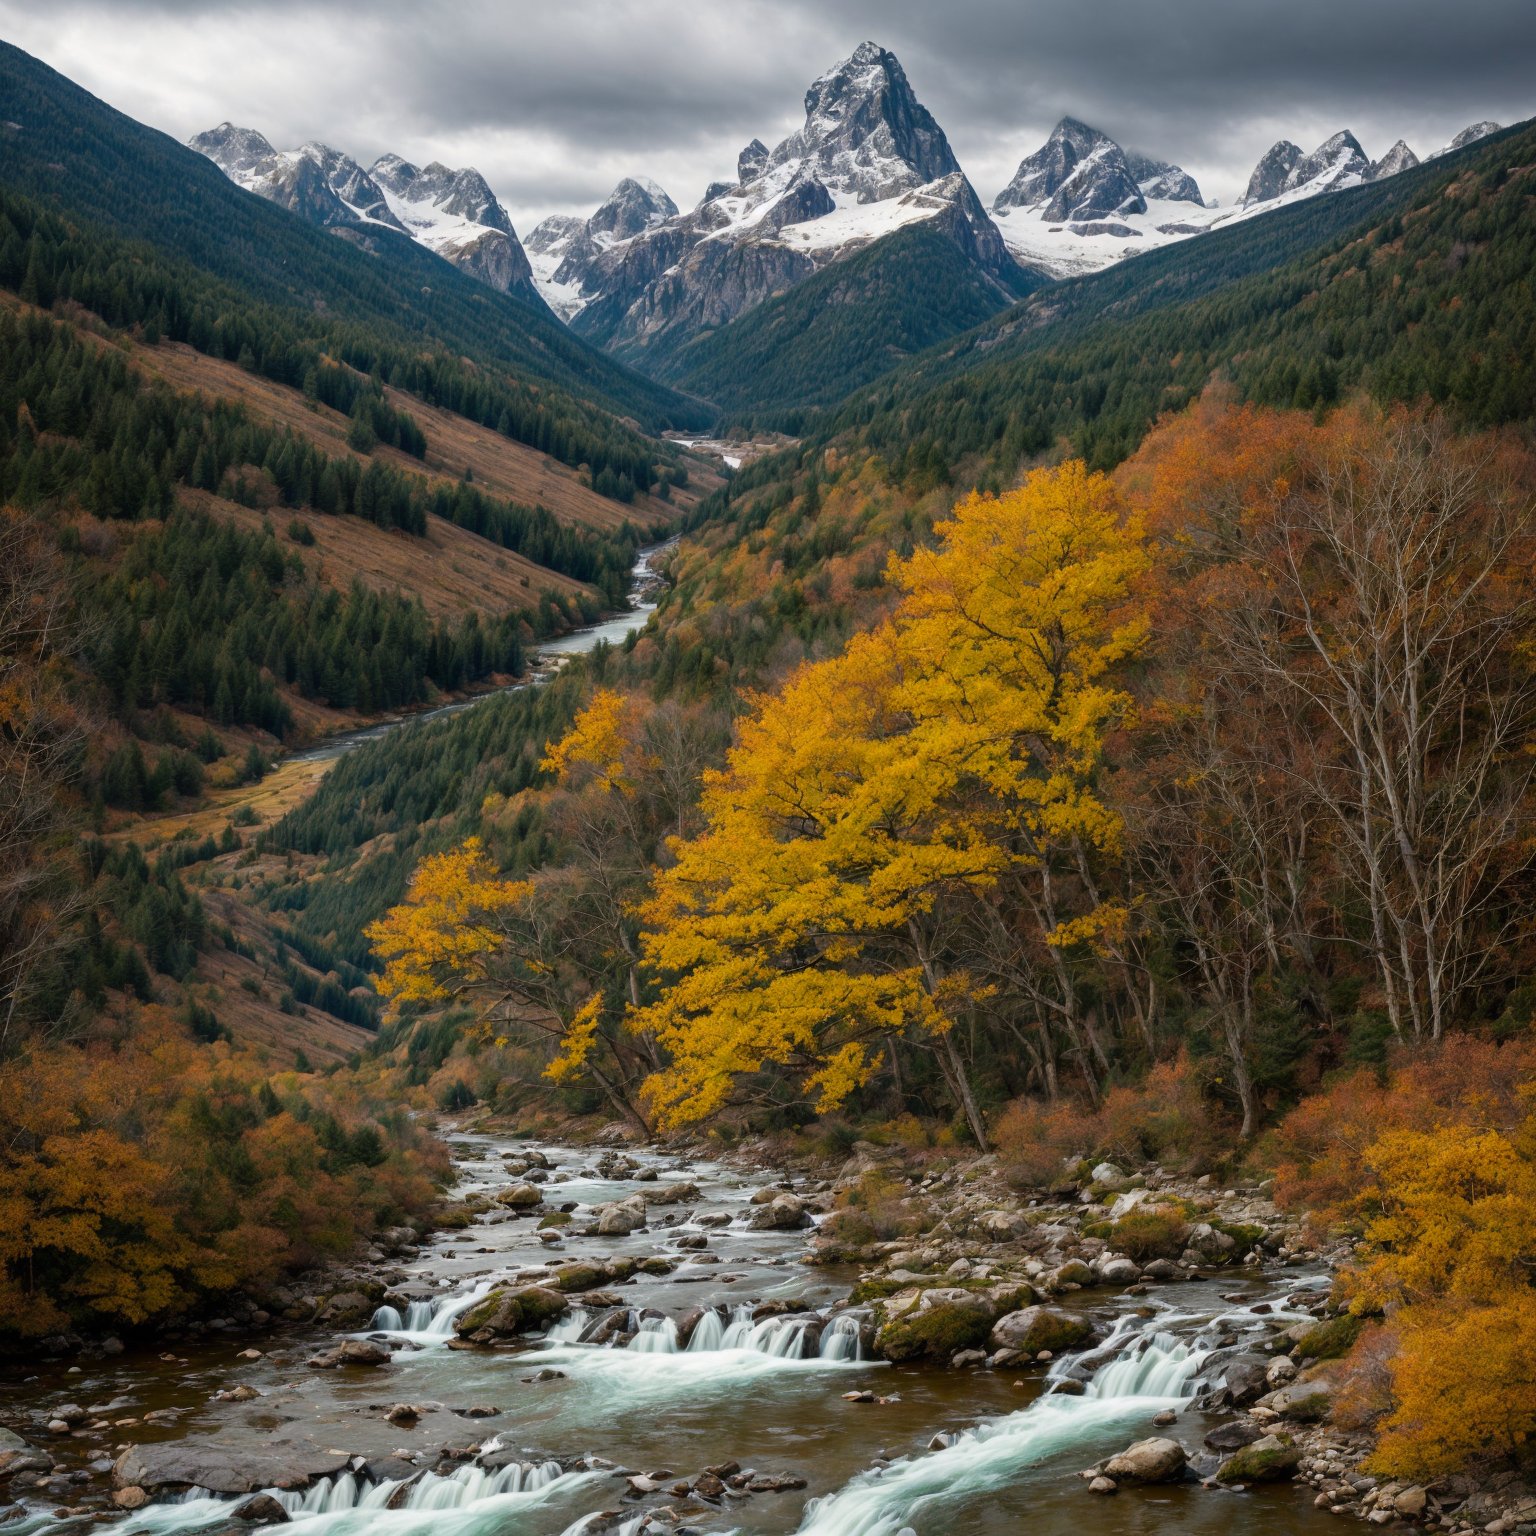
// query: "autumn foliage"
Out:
[140,1178]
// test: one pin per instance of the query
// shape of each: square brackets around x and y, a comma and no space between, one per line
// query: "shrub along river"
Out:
[706,1380]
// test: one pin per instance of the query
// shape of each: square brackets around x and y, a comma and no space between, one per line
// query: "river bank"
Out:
[604,1335]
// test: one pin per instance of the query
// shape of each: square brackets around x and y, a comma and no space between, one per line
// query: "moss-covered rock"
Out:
[1331,1339]
[504,1312]
[1245,1236]
[1035,1328]
[1146,1232]
[579,1277]
[938,1333]
[1272,1459]
[555,1219]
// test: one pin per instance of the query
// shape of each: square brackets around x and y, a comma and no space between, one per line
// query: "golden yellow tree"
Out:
[465,934]
[957,742]
[1452,1247]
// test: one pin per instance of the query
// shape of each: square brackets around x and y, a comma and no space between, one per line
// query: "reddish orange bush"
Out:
[1165,1117]
[1320,1147]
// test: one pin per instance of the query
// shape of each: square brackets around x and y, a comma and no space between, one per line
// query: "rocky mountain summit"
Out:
[1470,135]
[451,212]
[1336,162]
[1080,174]
[1080,201]
[565,251]
[868,160]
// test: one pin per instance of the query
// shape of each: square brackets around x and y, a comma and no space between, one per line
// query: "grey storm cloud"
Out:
[555,101]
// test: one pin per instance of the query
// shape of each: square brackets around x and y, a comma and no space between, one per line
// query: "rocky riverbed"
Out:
[614,1338]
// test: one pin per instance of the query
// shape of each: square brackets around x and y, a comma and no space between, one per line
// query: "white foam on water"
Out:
[469,1501]
[1143,1367]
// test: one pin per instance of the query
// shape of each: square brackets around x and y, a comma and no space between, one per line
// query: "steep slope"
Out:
[78,155]
[810,348]
[869,160]
[1395,287]
[565,251]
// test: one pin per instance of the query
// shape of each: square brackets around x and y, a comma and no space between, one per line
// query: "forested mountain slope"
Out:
[862,316]
[77,155]
[1419,285]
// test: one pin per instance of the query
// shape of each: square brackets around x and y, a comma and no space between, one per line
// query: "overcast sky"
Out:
[554,101]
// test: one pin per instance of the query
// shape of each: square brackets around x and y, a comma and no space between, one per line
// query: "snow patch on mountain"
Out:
[452,212]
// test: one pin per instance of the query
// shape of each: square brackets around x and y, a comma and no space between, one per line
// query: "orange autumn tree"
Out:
[868,805]
[1451,1248]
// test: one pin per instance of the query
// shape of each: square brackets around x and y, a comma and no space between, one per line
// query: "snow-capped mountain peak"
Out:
[1336,162]
[1078,173]
[1398,158]
[866,135]
[636,204]
[234,150]
[868,160]
[1470,135]
[451,212]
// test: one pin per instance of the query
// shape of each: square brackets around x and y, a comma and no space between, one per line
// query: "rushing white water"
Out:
[469,1501]
[1142,1368]
[428,1321]
[791,1337]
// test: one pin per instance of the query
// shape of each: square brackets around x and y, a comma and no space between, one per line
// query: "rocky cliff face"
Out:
[1398,158]
[868,159]
[451,212]
[1078,173]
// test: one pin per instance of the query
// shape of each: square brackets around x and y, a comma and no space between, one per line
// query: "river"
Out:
[611,631]
[565,1422]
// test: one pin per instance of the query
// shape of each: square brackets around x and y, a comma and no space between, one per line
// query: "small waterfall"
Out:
[840,1339]
[570,1328]
[337,1503]
[709,1334]
[655,1336]
[429,1319]
[459,1489]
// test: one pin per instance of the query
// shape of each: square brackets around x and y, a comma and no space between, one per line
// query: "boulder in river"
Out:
[1158,1460]
[507,1311]
[1270,1459]
[201,1463]
[784,1213]
[351,1308]
[1115,1269]
[621,1217]
[1035,1328]
[1234,1435]
[673,1194]
[937,1322]
[351,1352]
[263,1509]
[520,1196]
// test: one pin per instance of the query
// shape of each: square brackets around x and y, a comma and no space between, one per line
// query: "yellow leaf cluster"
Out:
[1451,1249]
[596,740]
[934,754]
[449,926]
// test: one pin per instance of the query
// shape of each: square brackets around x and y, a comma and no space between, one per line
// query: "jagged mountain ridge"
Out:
[564,250]
[869,159]
[1081,202]
[452,212]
